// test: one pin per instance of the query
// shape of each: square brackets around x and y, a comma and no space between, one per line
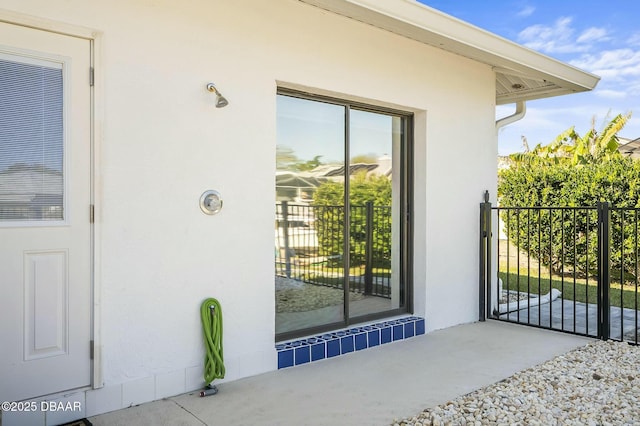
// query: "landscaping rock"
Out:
[593,385]
[297,296]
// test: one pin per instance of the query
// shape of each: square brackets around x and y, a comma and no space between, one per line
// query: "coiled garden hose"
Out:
[211,316]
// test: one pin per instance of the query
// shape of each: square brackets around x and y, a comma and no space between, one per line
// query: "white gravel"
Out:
[598,384]
[297,296]
[283,283]
[514,296]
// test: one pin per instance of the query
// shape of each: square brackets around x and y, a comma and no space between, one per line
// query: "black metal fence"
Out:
[572,269]
[309,246]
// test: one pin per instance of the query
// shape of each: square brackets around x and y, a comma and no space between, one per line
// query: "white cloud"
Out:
[552,39]
[615,65]
[634,40]
[633,89]
[559,37]
[526,11]
[610,94]
[584,47]
[593,34]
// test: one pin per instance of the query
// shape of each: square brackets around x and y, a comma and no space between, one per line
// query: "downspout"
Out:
[521,110]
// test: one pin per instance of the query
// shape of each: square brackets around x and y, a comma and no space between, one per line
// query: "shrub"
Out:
[544,233]
[329,208]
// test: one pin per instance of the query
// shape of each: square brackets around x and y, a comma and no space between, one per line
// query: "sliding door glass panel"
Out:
[310,214]
[342,237]
[375,142]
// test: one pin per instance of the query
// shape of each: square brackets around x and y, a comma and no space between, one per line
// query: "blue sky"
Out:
[602,37]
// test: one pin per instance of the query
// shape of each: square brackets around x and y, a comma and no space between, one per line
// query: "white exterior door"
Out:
[45,230]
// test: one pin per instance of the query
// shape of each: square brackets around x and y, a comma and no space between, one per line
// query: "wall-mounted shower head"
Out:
[221,101]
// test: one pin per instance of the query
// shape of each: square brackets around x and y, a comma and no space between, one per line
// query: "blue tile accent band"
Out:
[409,330]
[373,338]
[341,342]
[333,348]
[361,341]
[318,351]
[285,358]
[302,355]
[385,335]
[346,344]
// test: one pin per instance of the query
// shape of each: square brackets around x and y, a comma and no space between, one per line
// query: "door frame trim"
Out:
[94,38]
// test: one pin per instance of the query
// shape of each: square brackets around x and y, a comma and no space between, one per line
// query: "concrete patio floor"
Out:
[370,387]
[578,317]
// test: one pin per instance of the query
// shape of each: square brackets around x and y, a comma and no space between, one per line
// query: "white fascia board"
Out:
[414,20]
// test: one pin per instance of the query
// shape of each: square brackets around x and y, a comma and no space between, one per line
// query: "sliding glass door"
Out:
[342,223]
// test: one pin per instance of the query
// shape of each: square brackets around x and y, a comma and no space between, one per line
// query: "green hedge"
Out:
[329,208]
[544,234]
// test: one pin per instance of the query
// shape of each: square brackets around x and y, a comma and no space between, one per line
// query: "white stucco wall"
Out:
[162,143]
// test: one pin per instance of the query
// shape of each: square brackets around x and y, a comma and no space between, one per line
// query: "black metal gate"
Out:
[570,269]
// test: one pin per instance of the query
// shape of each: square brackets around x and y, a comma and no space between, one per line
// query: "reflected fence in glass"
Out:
[309,245]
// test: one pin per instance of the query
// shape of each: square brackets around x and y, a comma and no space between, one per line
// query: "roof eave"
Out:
[531,95]
[419,22]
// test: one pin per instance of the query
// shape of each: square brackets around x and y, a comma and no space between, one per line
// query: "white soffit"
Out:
[521,73]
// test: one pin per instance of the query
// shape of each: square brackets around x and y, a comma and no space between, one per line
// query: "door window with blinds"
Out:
[32,181]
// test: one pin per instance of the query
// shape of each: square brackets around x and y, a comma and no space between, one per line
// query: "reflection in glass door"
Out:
[341,228]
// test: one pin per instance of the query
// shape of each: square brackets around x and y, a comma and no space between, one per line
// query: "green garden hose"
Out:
[211,316]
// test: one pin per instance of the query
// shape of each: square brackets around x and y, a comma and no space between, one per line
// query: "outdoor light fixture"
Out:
[221,101]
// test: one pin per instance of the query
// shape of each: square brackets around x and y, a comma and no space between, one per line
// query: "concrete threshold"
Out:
[371,387]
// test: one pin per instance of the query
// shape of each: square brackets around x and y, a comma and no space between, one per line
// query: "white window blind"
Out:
[31,141]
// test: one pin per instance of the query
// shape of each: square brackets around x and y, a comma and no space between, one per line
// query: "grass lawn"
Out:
[579,289]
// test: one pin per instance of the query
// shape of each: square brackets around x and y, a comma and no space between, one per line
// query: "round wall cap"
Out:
[210,202]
